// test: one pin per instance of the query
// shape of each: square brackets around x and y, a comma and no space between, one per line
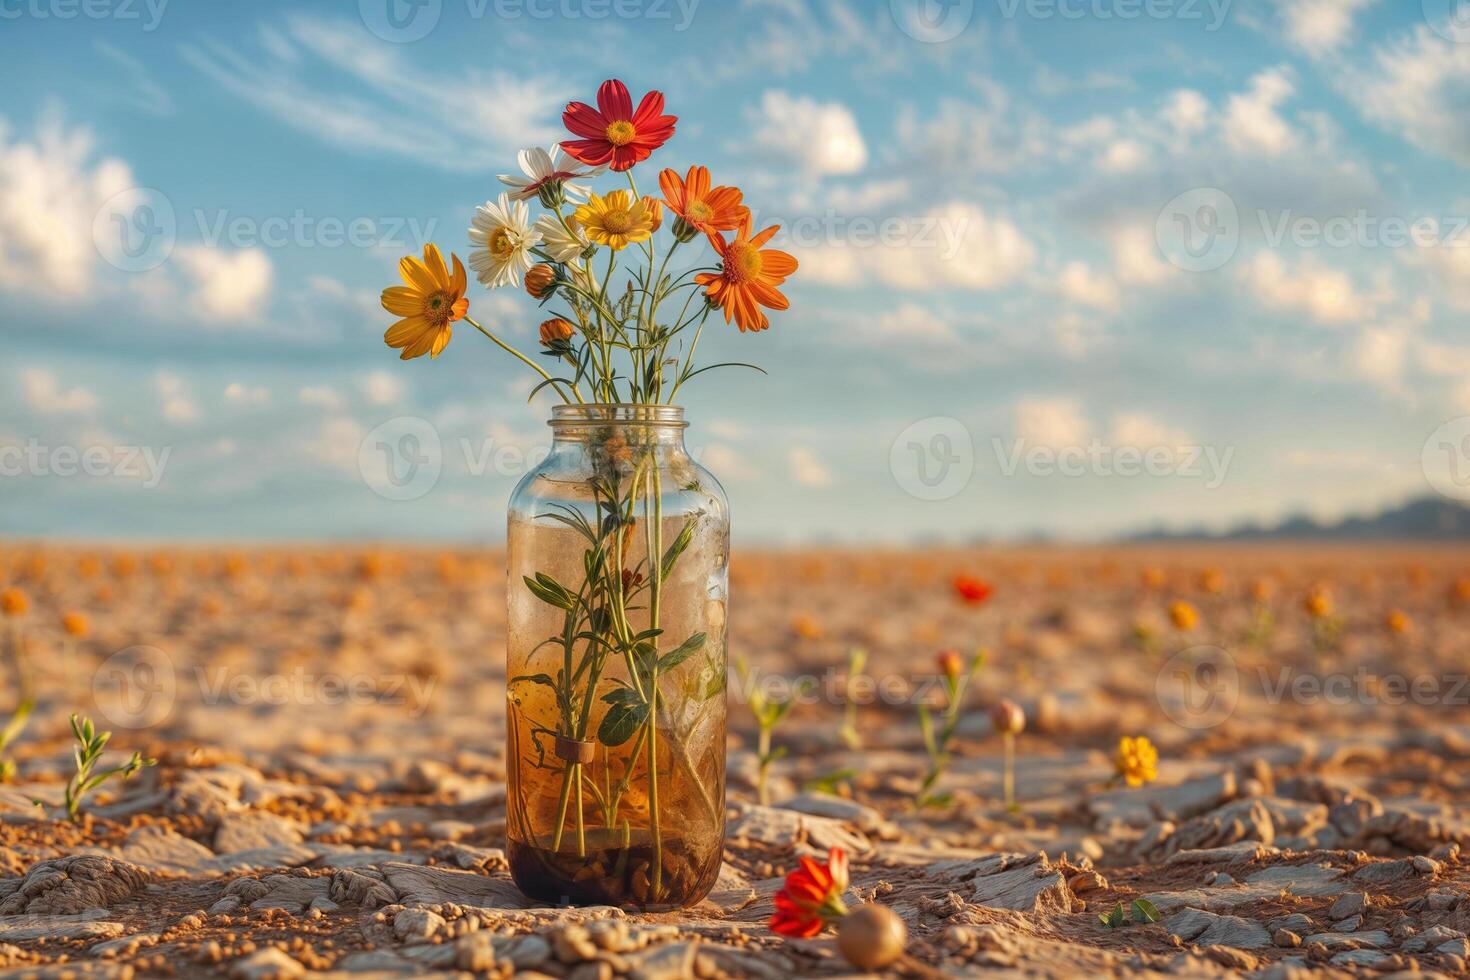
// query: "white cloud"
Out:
[807,469]
[1326,295]
[1379,356]
[1186,111]
[470,120]
[226,285]
[818,138]
[1319,27]
[727,463]
[1053,422]
[963,138]
[1141,430]
[1080,284]
[1418,87]
[1123,156]
[243,394]
[321,396]
[44,396]
[958,245]
[382,388]
[1136,258]
[50,194]
[175,402]
[1252,122]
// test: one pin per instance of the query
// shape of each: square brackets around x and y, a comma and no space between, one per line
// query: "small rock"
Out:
[417,925]
[1353,903]
[1286,939]
[1425,865]
[267,964]
[1348,925]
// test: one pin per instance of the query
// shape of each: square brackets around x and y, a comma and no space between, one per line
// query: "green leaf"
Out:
[620,722]
[549,591]
[681,653]
[535,679]
[1145,911]
[681,543]
[926,728]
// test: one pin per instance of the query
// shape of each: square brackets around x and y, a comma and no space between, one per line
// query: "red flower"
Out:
[812,897]
[971,589]
[613,133]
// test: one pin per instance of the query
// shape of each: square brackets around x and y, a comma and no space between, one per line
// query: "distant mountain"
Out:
[1425,519]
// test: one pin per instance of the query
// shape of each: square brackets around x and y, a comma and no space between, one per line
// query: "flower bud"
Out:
[1007,718]
[556,329]
[551,194]
[655,211]
[950,665]
[684,231]
[540,280]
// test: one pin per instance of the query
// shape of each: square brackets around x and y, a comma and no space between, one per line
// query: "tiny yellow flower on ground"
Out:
[1137,761]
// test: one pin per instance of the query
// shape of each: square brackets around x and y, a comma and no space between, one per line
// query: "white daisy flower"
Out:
[562,245]
[545,167]
[503,231]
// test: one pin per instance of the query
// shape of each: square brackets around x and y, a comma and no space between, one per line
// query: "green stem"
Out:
[523,358]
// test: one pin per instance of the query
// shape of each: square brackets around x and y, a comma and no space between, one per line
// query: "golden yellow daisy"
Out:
[616,220]
[430,302]
[1137,761]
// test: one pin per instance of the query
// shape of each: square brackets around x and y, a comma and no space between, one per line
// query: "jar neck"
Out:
[648,426]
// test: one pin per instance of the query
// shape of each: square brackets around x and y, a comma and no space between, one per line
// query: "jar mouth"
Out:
[600,413]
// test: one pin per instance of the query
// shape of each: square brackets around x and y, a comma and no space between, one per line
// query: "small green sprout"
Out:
[768,713]
[1141,912]
[10,733]
[955,677]
[88,750]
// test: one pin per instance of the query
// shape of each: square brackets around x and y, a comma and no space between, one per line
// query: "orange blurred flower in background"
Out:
[75,624]
[973,589]
[1398,621]
[1184,616]
[13,602]
[1318,603]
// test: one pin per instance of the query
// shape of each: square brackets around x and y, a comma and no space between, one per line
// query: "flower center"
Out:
[742,262]
[617,221]
[437,308]
[620,133]
[700,211]
[501,243]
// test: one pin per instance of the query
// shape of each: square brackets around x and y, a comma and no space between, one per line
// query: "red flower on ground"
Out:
[613,134]
[971,589]
[812,896]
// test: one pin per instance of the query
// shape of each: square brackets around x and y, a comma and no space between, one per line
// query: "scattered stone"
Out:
[1286,938]
[66,886]
[1208,929]
[417,925]
[267,964]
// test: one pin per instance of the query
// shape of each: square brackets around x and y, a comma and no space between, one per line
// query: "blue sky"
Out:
[1097,238]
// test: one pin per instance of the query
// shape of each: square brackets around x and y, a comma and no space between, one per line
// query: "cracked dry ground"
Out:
[283,836]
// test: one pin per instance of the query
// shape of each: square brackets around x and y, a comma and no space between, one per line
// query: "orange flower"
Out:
[950,664]
[1318,604]
[655,210]
[971,589]
[748,277]
[1398,621]
[698,207]
[539,279]
[1184,616]
[432,300]
[75,624]
[812,896]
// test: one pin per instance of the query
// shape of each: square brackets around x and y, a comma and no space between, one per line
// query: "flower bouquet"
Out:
[619,542]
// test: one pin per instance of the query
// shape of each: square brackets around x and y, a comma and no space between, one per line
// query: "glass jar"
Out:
[618,581]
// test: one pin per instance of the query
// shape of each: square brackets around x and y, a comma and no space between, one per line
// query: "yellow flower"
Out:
[1183,616]
[432,300]
[1137,761]
[616,220]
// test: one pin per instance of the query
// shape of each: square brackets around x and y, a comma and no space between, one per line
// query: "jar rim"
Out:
[593,413]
